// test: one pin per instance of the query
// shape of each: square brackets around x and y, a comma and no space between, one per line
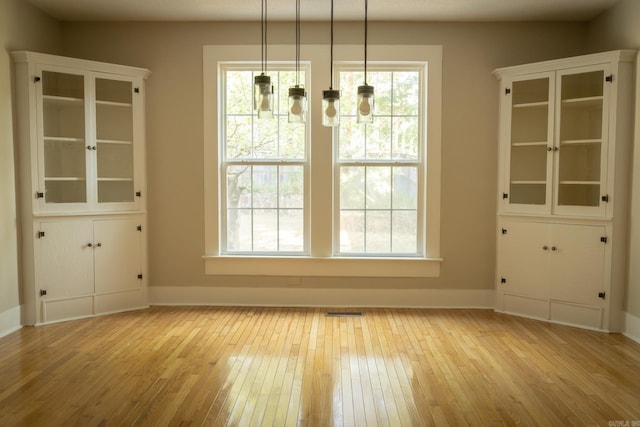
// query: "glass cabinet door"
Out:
[581,156]
[64,149]
[530,142]
[114,141]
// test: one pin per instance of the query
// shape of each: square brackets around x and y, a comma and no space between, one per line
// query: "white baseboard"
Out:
[316,297]
[9,321]
[632,327]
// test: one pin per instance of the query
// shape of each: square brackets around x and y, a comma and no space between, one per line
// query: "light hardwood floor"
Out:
[285,366]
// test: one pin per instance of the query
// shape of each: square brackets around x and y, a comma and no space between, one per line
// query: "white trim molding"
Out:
[632,327]
[9,321]
[320,297]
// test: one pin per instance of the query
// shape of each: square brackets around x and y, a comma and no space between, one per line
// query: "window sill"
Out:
[326,267]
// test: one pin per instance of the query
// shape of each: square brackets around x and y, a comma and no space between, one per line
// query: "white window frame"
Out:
[320,261]
[225,163]
[422,69]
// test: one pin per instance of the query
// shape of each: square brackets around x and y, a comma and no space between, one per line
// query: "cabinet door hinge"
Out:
[39,194]
[36,79]
[504,231]
[40,234]
[503,280]
[140,276]
[136,89]
[43,292]
[604,239]
[605,198]
[507,91]
[139,228]
[602,295]
[138,193]
[609,78]
[505,195]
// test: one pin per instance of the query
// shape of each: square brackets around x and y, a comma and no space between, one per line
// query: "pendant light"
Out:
[297,94]
[263,89]
[331,97]
[366,97]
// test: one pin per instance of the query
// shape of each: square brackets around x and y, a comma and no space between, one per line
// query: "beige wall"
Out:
[617,29]
[21,27]
[173,52]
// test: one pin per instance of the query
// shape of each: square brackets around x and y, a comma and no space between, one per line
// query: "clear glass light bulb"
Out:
[365,107]
[331,109]
[296,107]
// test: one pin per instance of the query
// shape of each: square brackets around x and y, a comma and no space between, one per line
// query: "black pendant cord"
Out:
[366,7]
[263,35]
[297,42]
[331,54]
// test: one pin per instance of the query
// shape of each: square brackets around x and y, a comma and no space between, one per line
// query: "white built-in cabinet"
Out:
[563,188]
[82,186]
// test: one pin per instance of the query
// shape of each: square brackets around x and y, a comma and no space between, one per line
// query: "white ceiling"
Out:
[249,10]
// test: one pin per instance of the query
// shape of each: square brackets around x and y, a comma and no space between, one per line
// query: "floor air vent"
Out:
[344,314]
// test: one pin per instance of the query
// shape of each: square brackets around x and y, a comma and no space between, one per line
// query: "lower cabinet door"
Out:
[65,273]
[577,270]
[577,265]
[523,259]
[66,253]
[117,255]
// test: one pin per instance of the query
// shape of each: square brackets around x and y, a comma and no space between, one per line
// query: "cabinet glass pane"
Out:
[114,91]
[579,162]
[64,148]
[579,157]
[530,194]
[115,172]
[529,142]
[62,85]
[115,191]
[529,163]
[574,194]
[529,124]
[115,160]
[114,135]
[64,159]
[581,119]
[582,85]
[114,122]
[63,118]
[530,91]
[65,191]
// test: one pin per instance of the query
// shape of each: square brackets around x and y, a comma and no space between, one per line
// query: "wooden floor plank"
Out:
[295,366]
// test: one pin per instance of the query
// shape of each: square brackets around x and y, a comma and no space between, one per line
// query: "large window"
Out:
[380,165]
[263,166]
[306,200]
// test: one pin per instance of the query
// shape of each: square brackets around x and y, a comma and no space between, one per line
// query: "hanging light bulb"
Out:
[262,87]
[297,104]
[366,103]
[331,97]
[263,96]
[366,97]
[331,108]
[297,94]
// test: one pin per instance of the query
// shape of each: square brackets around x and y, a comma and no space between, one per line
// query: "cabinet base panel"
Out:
[560,312]
[62,310]
[120,301]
